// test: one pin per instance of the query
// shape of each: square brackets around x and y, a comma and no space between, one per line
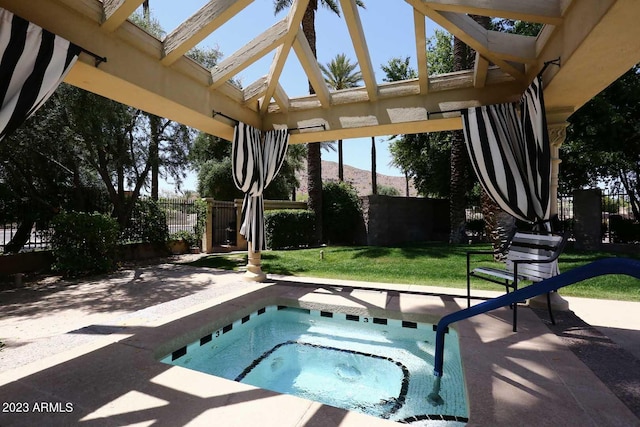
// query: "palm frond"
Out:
[280,5]
[331,5]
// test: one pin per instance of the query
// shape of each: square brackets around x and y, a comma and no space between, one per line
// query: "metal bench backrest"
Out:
[535,247]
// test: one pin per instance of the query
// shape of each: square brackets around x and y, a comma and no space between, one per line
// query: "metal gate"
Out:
[224,223]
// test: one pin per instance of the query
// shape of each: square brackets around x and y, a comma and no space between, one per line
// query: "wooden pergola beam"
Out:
[282,52]
[249,53]
[282,99]
[312,70]
[255,90]
[352,17]
[476,37]
[202,23]
[480,70]
[541,11]
[117,11]
[421,51]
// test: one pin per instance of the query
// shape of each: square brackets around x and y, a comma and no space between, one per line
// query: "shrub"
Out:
[387,190]
[201,224]
[188,236]
[148,223]
[475,226]
[84,243]
[623,230]
[341,213]
[289,228]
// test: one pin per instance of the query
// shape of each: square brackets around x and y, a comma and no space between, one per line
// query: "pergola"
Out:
[595,41]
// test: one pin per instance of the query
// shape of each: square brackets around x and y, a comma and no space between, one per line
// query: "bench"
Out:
[529,256]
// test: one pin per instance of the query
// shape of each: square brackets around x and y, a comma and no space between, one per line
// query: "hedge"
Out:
[289,228]
[84,243]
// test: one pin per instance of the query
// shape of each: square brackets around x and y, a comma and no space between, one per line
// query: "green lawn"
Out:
[434,264]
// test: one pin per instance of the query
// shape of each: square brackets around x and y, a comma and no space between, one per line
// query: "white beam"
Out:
[311,69]
[133,74]
[421,50]
[597,43]
[542,11]
[249,53]
[512,47]
[202,23]
[294,19]
[282,99]
[399,108]
[480,69]
[352,17]
[117,11]
[255,90]
[470,32]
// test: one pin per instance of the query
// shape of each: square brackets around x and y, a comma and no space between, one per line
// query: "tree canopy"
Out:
[425,157]
[603,141]
[211,159]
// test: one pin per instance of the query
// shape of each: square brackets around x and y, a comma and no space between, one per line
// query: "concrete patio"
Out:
[89,351]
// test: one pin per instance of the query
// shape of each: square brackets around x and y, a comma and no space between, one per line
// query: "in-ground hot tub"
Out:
[374,365]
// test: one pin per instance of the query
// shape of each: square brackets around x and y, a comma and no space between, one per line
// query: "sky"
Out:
[388,28]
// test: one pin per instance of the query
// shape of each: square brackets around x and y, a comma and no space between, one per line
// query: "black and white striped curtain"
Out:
[511,156]
[255,164]
[32,65]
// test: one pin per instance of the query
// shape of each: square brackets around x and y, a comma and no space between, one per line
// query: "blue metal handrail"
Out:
[601,267]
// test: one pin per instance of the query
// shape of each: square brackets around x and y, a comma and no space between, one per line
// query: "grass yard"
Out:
[435,264]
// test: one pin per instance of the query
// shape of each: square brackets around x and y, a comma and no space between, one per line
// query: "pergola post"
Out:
[557,135]
[254,267]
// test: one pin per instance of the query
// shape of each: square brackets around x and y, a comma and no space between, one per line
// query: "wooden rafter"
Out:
[117,11]
[202,23]
[282,52]
[134,74]
[511,47]
[281,98]
[480,70]
[352,17]
[421,51]
[478,38]
[311,69]
[542,11]
[249,53]
[255,90]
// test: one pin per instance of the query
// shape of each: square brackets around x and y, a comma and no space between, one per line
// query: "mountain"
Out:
[359,178]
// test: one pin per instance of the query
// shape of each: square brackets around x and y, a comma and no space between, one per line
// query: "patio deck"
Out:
[93,345]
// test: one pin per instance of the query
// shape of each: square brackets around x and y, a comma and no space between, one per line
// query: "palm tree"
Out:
[374,168]
[458,183]
[314,158]
[340,74]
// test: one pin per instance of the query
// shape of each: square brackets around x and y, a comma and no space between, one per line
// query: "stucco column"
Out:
[557,135]
[207,238]
[254,267]
[241,242]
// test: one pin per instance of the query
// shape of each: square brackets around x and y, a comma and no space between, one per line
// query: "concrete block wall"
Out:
[396,220]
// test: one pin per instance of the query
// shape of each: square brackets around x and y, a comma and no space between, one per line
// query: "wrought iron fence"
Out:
[39,237]
[181,215]
[616,214]
[224,223]
[615,208]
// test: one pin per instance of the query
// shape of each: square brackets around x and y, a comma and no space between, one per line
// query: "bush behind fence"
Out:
[150,222]
[188,216]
